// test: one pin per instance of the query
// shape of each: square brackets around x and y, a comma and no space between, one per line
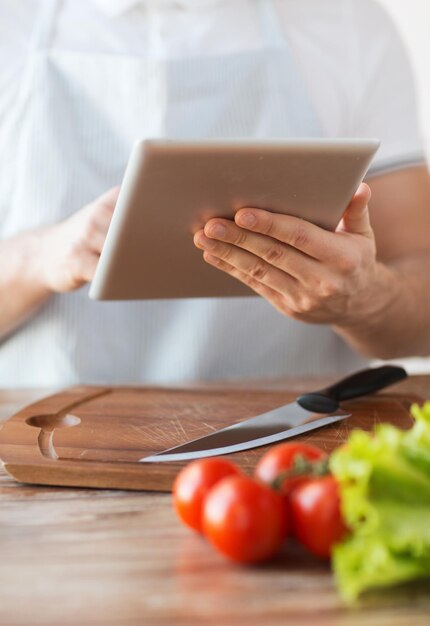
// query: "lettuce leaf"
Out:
[384,482]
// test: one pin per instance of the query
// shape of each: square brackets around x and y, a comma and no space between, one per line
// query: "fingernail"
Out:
[205,242]
[246,219]
[217,230]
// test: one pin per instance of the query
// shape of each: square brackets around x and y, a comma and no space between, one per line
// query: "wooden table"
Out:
[76,556]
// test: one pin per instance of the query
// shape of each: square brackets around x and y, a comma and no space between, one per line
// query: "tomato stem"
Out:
[302,467]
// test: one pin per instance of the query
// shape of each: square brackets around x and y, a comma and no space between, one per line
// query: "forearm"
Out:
[22,290]
[393,318]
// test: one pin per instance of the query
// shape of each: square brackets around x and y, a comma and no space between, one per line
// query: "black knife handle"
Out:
[354,386]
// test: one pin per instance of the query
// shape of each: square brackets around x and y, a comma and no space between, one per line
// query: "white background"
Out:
[413,20]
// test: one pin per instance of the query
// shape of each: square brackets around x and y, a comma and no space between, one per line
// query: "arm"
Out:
[50,260]
[400,218]
[22,291]
[373,288]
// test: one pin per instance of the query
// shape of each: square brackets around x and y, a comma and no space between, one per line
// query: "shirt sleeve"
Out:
[385,99]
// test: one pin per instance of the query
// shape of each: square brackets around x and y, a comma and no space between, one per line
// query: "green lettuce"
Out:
[385,500]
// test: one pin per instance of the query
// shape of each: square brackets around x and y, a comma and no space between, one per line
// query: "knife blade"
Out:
[309,411]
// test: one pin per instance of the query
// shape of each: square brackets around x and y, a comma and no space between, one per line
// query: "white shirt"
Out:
[352,58]
[90,87]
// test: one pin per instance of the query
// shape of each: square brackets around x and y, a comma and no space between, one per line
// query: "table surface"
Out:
[78,556]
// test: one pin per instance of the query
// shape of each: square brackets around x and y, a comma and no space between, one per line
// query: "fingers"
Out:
[275,253]
[356,217]
[86,265]
[304,236]
[96,227]
[241,261]
[96,240]
[73,266]
[91,226]
[76,243]
[304,271]
[308,238]
[272,296]
[92,223]
[100,211]
[109,197]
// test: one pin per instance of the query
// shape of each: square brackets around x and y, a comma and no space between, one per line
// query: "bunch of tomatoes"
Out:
[248,519]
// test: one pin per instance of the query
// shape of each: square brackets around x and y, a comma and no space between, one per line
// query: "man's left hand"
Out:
[304,271]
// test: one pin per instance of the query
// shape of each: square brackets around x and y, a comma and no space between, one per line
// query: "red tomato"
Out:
[193,484]
[244,519]
[316,516]
[281,458]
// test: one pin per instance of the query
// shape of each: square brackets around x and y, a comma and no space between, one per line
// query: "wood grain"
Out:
[95,436]
[97,557]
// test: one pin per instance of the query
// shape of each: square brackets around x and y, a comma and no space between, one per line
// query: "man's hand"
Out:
[71,249]
[304,271]
[37,263]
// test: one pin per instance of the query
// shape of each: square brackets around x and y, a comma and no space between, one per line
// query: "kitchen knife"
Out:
[309,411]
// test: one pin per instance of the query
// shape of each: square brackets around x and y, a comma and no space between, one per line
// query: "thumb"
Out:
[356,217]
[109,197]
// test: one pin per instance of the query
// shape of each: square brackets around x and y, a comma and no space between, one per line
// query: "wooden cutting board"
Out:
[94,436]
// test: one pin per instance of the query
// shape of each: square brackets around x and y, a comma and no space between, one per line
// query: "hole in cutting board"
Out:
[51,422]
[47,425]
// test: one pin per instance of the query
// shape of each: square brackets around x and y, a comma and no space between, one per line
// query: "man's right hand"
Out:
[52,259]
[71,248]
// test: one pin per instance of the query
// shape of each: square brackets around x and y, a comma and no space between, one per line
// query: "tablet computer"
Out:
[171,188]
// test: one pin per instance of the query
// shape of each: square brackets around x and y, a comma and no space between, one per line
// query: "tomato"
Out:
[193,484]
[316,516]
[282,458]
[244,519]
